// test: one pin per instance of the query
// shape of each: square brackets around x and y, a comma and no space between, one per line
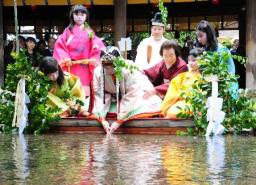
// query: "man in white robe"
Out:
[148,50]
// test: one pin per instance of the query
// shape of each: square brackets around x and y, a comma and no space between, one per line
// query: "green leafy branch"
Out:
[120,64]
[240,111]
[164,11]
[90,31]
[37,87]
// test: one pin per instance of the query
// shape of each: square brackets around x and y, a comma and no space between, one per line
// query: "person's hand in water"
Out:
[106,126]
[114,127]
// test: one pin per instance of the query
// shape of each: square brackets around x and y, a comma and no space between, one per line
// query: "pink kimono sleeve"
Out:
[60,51]
[96,47]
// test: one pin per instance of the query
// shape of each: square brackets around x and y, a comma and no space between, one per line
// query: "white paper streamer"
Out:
[214,114]
[20,109]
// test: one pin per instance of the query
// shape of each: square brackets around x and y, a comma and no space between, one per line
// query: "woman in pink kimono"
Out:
[78,49]
[127,96]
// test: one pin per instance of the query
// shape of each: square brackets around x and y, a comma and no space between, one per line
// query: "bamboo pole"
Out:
[16,25]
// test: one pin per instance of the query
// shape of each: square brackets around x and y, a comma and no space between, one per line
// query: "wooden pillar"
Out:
[251,43]
[1,44]
[240,69]
[120,19]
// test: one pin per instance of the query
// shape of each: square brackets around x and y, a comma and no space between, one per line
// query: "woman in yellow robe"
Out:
[66,92]
[173,103]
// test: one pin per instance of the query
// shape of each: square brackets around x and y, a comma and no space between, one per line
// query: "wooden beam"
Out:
[143,123]
[250,43]
[120,19]
[136,126]
[1,44]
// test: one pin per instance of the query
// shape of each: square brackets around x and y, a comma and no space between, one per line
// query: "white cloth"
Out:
[141,57]
[132,88]
[20,109]
[214,114]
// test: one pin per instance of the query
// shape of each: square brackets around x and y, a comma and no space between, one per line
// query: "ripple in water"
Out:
[126,159]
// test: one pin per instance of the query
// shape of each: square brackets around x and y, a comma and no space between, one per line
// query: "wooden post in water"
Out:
[1,44]
[120,20]
[251,43]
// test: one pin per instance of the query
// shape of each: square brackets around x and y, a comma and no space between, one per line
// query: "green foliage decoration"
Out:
[226,41]
[182,36]
[164,11]
[6,109]
[37,87]
[120,64]
[108,38]
[240,111]
[90,31]
[137,37]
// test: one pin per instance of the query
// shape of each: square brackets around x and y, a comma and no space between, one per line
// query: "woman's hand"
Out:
[65,114]
[114,127]
[84,113]
[105,125]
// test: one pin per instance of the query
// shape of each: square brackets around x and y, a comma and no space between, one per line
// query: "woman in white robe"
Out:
[133,100]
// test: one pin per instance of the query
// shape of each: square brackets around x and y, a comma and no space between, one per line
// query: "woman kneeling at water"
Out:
[173,102]
[126,95]
[66,92]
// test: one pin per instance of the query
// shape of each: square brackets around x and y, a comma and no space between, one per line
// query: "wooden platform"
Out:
[136,126]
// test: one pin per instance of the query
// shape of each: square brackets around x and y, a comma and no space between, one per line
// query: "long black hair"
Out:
[207,28]
[34,57]
[49,65]
[74,10]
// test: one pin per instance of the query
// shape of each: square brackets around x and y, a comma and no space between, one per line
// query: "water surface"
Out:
[126,159]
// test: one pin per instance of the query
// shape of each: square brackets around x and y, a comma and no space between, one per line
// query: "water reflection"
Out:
[123,161]
[20,156]
[216,158]
[126,159]
[178,167]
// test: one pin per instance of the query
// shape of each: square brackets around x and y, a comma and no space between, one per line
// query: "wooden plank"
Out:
[138,123]
[10,2]
[88,2]
[137,1]
[35,2]
[84,2]
[137,126]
